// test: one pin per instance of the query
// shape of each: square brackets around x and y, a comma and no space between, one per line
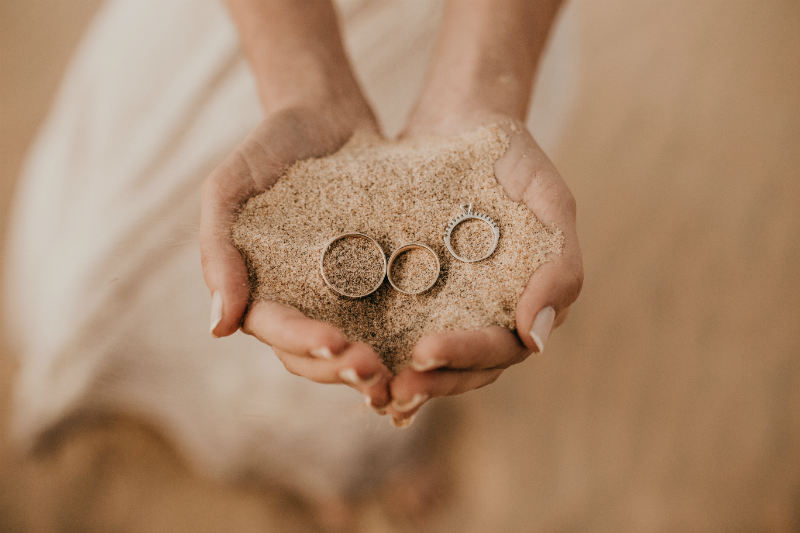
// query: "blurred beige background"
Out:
[671,398]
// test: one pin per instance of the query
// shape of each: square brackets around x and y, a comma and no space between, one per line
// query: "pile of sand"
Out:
[395,192]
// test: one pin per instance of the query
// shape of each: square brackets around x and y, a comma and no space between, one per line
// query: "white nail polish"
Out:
[403,422]
[322,352]
[351,376]
[415,402]
[424,366]
[542,326]
[216,311]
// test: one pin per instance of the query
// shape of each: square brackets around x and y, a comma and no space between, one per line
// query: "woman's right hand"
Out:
[309,348]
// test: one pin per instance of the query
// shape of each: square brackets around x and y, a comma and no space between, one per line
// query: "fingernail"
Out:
[415,402]
[403,422]
[542,326]
[216,311]
[379,410]
[322,352]
[351,376]
[423,366]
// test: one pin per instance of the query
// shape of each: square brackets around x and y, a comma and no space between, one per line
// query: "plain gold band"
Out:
[322,264]
[404,248]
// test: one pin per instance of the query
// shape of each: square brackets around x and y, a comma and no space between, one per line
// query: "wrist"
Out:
[292,69]
[485,60]
[334,107]
[462,102]
[303,79]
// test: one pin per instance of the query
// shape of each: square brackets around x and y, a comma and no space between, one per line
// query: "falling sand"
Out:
[396,192]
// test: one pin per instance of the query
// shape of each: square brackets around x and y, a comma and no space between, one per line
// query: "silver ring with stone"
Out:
[338,290]
[405,248]
[468,214]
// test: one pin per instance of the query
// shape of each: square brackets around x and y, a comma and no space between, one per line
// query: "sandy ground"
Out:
[669,400]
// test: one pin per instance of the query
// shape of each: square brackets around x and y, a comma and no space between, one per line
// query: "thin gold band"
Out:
[405,248]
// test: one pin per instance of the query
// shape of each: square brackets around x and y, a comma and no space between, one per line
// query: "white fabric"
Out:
[105,298]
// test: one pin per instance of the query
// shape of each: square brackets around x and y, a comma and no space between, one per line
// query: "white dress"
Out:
[105,299]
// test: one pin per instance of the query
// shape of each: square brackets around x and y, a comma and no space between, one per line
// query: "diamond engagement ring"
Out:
[406,248]
[468,214]
[356,279]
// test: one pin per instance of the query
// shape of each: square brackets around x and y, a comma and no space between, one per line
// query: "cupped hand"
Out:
[310,348]
[450,363]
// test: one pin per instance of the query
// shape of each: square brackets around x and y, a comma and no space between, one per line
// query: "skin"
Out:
[482,71]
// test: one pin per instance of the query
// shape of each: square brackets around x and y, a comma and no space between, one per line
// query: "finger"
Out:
[491,347]
[224,268]
[545,301]
[410,389]
[363,369]
[359,366]
[557,283]
[285,328]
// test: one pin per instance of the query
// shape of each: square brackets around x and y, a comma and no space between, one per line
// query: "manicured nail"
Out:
[403,422]
[216,311]
[322,352]
[542,326]
[430,364]
[351,376]
[415,402]
[379,410]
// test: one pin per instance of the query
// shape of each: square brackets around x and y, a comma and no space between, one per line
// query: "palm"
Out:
[307,347]
[455,362]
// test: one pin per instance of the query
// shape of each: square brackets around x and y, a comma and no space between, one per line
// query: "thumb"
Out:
[224,269]
[529,176]
[545,301]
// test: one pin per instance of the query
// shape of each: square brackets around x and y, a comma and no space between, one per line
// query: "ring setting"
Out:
[468,214]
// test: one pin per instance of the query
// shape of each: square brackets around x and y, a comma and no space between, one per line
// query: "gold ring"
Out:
[339,290]
[405,248]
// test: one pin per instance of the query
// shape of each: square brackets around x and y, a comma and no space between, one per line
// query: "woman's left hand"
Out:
[444,364]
